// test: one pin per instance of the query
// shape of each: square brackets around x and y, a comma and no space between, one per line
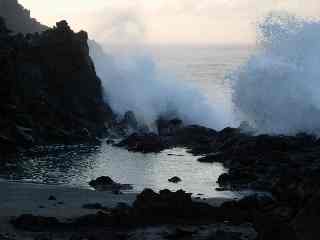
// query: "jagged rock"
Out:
[145,143]
[105,183]
[52,198]
[50,93]
[169,205]
[175,179]
[93,206]
[168,128]
[104,180]
[18,18]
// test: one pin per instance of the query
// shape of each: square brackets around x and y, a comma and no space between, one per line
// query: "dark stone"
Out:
[145,143]
[169,205]
[306,223]
[105,183]
[50,91]
[35,223]
[180,233]
[93,206]
[104,180]
[52,198]
[175,179]
[168,127]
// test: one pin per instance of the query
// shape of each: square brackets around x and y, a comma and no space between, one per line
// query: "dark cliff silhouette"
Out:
[18,18]
[50,92]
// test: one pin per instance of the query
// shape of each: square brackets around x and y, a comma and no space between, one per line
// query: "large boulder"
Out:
[168,127]
[169,205]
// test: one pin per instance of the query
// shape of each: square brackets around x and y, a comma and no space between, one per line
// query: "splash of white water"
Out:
[278,89]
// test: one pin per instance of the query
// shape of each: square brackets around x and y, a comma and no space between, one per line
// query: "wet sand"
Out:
[25,198]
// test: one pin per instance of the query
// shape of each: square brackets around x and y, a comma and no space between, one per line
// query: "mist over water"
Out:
[133,82]
[277,90]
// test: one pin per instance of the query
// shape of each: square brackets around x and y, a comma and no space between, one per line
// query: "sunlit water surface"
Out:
[75,166]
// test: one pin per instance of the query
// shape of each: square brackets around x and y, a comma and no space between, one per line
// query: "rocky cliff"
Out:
[18,18]
[50,92]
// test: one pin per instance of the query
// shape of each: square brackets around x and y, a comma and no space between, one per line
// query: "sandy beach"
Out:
[26,198]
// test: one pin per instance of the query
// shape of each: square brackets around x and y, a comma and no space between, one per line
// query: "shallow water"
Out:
[76,165]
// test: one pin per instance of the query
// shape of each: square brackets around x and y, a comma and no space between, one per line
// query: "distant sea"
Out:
[207,67]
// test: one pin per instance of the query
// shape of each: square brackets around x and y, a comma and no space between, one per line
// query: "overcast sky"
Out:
[168,21]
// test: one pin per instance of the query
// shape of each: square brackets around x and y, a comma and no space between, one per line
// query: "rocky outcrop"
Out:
[18,18]
[50,91]
[105,183]
[144,142]
[286,167]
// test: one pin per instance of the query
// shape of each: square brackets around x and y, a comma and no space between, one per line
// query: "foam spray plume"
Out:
[133,83]
[278,89]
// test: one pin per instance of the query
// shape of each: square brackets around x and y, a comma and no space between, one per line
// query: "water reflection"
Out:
[76,165]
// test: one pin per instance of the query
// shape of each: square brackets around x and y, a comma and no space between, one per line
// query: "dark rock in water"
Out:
[168,127]
[237,178]
[213,157]
[35,223]
[196,137]
[93,206]
[104,180]
[105,183]
[145,143]
[175,179]
[52,198]
[169,205]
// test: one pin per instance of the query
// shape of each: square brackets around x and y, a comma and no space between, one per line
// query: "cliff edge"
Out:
[18,18]
[50,91]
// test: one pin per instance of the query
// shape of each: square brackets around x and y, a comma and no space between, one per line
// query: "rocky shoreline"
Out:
[51,94]
[284,166]
[287,167]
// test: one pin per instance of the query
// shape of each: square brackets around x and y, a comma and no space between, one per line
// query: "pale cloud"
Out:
[168,21]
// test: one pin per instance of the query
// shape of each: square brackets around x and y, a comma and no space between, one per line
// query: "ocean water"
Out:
[75,166]
[207,67]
